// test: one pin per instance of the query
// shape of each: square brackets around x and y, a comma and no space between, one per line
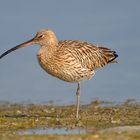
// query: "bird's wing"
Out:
[83,53]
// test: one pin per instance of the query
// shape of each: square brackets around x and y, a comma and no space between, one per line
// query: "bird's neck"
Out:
[47,51]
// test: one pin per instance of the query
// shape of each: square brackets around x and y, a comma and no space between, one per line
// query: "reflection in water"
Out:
[43,130]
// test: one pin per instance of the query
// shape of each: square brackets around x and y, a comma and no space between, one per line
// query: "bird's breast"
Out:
[47,64]
[60,67]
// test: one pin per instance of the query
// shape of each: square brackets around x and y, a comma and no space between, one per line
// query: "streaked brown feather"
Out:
[75,60]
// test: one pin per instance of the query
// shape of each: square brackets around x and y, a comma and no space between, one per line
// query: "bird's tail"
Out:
[109,54]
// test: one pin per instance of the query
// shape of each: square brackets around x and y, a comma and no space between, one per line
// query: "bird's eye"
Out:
[41,36]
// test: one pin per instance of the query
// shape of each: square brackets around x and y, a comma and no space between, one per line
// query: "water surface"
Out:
[114,24]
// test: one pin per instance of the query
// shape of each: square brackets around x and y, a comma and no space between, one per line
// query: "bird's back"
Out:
[87,54]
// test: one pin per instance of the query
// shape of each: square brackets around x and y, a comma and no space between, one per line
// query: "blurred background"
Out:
[114,24]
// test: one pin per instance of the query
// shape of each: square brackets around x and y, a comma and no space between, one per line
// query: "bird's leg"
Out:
[78,101]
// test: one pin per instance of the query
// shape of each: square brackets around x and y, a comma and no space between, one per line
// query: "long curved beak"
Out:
[27,43]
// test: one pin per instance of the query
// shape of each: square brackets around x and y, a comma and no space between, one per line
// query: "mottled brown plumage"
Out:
[74,61]
[68,60]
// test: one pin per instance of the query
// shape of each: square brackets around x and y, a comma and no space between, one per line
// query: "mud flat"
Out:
[98,120]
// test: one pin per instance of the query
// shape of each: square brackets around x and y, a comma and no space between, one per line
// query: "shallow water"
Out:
[43,130]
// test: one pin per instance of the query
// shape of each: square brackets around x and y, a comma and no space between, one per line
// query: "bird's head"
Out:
[44,37]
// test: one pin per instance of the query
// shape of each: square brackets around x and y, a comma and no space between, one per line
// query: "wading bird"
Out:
[68,60]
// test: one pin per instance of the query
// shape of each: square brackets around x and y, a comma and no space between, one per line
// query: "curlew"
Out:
[68,60]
